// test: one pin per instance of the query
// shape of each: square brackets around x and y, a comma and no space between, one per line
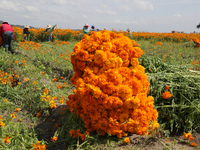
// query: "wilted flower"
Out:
[193,144]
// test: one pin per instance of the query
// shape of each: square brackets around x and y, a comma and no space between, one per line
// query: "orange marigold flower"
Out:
[6,139]
[193,144]
[34,82]
[61,101]
[4,81]
[100,57]
[54,138]
[61,78]
[38,146]
[54,80]
[134,62]
[83,136]
[53,105]
[2,124]
[17,109]
[46,91]
[167,87]
[74,133]
[38,114]
[188,136]
[166,95]
[127,140]
[6,100]
[43,73]
[13,115]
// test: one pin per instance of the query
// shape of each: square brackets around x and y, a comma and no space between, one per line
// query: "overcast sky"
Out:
[137,15]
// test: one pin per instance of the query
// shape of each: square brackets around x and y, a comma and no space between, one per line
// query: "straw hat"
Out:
[48,26]
[27,26]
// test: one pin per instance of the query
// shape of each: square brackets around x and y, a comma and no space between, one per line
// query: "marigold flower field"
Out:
[106,85]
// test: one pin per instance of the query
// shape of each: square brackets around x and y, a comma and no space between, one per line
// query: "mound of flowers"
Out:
[111,88]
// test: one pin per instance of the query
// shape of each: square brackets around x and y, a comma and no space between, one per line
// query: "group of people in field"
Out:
[47,30]
[7,35]
[87,30]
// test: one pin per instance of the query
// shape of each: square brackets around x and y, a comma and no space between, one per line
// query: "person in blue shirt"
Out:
[93,28]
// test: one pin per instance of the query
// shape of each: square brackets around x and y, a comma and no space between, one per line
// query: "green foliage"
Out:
[65,37]
[182,111]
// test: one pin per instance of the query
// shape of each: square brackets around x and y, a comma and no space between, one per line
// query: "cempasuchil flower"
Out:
[111,87]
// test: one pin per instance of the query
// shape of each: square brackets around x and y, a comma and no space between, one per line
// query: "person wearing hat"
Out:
[7,35]
[93,28]
[128,30]
[26,32]
[49,34]
[86,29]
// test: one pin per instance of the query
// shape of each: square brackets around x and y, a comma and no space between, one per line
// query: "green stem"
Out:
[190,102]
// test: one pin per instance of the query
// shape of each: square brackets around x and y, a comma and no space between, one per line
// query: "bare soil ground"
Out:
[137,142]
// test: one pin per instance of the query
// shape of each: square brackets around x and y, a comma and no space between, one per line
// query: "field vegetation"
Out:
[35,85]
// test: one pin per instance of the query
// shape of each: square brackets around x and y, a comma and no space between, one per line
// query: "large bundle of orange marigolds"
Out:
[111,87]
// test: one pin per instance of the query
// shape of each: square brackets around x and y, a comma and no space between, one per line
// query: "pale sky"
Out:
[137,15]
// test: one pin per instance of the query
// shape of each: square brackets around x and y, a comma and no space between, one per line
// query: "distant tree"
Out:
[198,26]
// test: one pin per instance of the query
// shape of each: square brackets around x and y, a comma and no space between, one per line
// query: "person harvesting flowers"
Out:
[7,35]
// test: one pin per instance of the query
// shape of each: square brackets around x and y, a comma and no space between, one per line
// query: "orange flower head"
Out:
[38,146]
[188,136]
[167,87]
[127,140]
[6,139]
[193,144]
[54,138]
[17,109]
[166,95]
[13,115]
[2,124]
